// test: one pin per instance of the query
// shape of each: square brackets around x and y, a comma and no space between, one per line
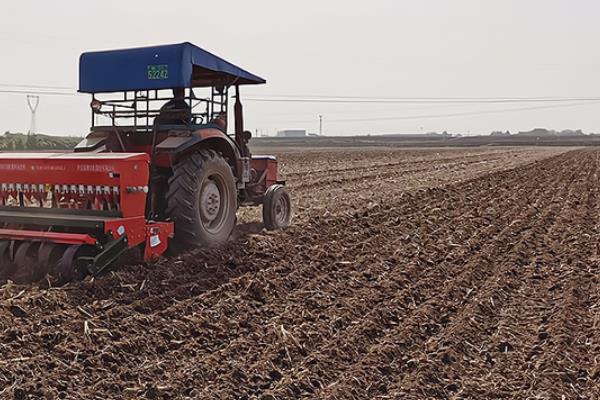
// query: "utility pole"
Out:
[320,125]
[33,102]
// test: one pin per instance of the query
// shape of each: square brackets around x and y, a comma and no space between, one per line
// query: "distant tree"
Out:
[30,142]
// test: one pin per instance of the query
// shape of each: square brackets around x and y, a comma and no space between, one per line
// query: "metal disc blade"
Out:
[49,256]
[26,261]
[7,266]
[67,265]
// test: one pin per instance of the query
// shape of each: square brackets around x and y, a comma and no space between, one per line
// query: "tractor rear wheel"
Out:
[277,207]
[201,201]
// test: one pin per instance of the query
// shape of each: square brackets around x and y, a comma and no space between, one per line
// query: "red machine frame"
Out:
[69,180]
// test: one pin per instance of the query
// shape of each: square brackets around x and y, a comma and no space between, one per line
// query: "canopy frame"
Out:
[181,65]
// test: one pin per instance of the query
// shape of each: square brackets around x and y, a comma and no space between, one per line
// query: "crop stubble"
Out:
[407,274]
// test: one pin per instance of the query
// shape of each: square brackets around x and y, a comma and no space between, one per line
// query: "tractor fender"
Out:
[95,141]
[178,147]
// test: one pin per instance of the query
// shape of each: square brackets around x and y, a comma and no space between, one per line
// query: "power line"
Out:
[12,85]
[38,92]
[374,100]
[461,114]
[439,101]
[332,99]
[295,96]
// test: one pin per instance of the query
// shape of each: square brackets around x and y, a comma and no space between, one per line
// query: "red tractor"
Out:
[157,171]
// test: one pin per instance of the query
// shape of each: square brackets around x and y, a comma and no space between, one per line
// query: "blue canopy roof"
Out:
[157,67]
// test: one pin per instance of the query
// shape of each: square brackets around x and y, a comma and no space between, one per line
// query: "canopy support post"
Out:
[239,124]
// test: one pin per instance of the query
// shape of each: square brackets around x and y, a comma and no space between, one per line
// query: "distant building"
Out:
[500,133]
[570,132]
[291,133]
[542,132]
[537,132]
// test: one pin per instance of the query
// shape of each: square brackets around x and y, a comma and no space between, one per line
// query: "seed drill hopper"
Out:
[158,171]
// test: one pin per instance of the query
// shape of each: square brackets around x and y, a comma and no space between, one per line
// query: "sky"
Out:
[384,49]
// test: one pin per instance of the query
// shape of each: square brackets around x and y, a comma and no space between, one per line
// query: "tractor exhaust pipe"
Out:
[240,137]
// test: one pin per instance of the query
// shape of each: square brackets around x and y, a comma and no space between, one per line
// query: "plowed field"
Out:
[407,274]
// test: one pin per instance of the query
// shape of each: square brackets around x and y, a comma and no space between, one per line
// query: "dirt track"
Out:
[407,274]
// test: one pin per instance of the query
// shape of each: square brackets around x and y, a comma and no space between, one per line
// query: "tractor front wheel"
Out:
[277,207]
[201,201]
